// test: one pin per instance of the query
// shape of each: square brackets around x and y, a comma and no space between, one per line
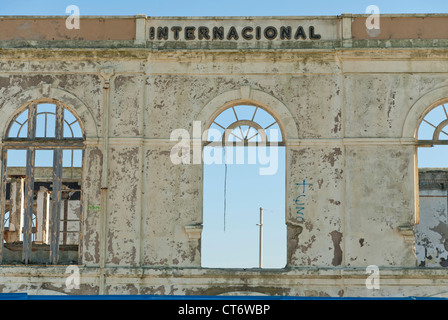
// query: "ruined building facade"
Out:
[88,181]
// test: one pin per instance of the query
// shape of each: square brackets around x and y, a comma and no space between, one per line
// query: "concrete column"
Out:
[15,216]
[41,212]
[140,28]
[346,28]
[47,217]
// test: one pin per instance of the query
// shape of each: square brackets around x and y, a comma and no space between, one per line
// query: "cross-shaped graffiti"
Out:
[304,184]
[300,206]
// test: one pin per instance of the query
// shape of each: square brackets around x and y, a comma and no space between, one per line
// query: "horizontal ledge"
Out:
[387,272]
[44,144]
[291,142]
[350,141]
[431,143]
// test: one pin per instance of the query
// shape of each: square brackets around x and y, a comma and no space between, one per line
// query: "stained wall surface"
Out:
[348,106]
[430,234]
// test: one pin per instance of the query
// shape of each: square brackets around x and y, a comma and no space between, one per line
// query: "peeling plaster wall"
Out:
[372,222]
[316,243]
[174,200]
[431,237]
[349,165]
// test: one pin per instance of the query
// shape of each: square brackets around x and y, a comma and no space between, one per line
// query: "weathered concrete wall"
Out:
[431,233]
[423,26]
[189,281]
[343,111]
[373,223]
[54,28]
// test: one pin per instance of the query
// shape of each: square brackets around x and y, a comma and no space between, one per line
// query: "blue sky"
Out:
[218,8]
[246,189]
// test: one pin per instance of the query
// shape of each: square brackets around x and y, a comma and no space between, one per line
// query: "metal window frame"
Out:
[438,129]
[238,123]
[31,144]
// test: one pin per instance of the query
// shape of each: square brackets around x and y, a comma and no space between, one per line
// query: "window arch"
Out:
[246,125]
[41,184]
[433,128]
[244,189]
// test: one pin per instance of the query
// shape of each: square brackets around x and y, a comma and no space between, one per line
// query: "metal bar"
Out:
[429,123]
[59,125]
[29,187]
[20,129]
[446,114]
[64,227]
[260,258]
[253,117]
[71,163]
[247,133]
[242,134]
[430,143]
[433,196]
[44,143]
[47,217]
[270,125]
[253,135]
[40,213]
[32,122]
[56,206]
[57,188]
[219,125]
[44,216]
[236,117]
[236,136]
[70,127]
[439,129]
[28,206]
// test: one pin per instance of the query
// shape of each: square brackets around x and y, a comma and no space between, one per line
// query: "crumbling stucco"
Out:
[350,165]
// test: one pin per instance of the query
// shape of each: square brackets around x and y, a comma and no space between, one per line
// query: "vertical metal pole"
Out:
[28,206]
[56,194]
[29,188]
[260,262]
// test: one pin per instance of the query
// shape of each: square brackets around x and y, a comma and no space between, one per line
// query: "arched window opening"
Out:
[244,170]
[431,233]
[41,180]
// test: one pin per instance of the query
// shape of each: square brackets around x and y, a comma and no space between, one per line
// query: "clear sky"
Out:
[246,189]
[218,8]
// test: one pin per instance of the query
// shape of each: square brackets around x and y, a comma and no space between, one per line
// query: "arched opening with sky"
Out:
[244,186]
